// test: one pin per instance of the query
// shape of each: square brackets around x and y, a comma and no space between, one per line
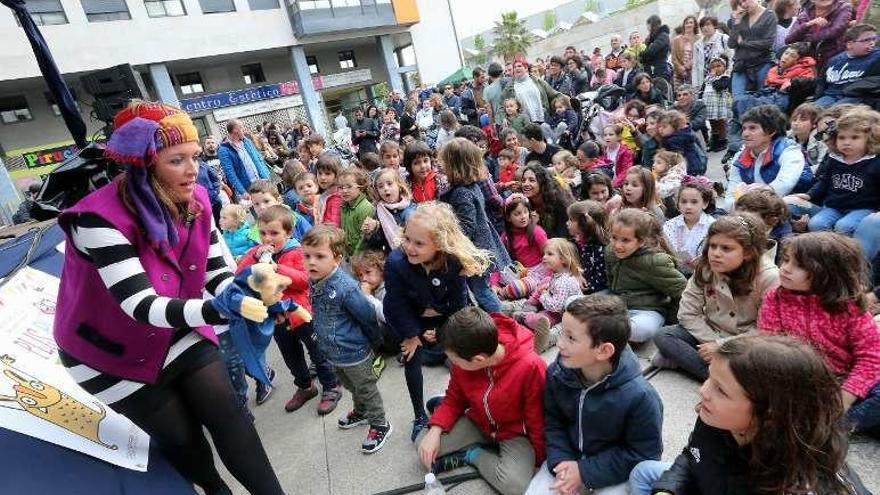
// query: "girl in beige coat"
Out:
[723,298]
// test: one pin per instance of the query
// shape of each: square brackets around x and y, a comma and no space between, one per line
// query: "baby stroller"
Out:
[596,111]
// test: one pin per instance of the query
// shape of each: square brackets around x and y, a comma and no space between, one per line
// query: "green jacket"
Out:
[647,280]
[547,93]
[353,216]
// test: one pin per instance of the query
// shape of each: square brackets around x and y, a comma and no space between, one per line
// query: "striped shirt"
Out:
[123,274]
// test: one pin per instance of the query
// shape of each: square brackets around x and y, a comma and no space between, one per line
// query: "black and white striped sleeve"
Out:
[218,273]
[123,274]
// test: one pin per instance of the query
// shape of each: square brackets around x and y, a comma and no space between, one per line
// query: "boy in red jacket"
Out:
[275,225]
[492,416]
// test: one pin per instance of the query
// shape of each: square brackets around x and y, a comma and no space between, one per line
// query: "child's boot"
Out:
[329,400]
[300,397]
[376,437]
[540,324]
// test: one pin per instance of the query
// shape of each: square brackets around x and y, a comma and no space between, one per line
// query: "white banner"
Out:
[37,396]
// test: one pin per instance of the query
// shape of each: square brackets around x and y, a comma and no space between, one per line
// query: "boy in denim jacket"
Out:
[346,325]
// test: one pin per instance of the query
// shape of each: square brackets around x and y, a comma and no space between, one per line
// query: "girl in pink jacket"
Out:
[821,301]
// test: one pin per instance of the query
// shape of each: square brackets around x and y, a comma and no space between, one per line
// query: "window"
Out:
[14,109]
[190,83]
[216,6]
[46,12]
[56,110]
[263,4]
[106,10]
[313,64]
[346,59]
[252,74]
[164,8]
[201,127]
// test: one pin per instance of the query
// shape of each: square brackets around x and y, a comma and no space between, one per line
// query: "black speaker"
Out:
[112,89]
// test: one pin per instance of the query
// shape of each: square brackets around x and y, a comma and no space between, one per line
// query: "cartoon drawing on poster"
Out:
[52,405]
[37,395]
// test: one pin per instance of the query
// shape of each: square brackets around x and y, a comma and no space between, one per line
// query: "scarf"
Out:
[389,224]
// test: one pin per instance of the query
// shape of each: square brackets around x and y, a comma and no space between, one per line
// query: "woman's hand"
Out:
[430,335]
[409,346]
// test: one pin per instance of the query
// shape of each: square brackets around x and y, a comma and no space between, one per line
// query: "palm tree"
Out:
[511,36]
[480,45]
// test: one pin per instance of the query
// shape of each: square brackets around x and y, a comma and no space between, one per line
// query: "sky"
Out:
[475,16]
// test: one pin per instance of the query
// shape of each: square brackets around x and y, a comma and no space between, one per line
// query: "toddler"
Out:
[686,232]
[563,120]
[587,225]
[356,208]
[233,224]
[617,153]
[669,168]
[329,207]
[513,117]
[344,315]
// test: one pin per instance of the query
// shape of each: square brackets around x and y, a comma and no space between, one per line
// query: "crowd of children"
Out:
[468,250]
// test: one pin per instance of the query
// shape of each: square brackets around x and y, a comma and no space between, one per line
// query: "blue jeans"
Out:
[484,295]
[740,83]
[643,476]
[841,221]
[644,324]
[865,413]
[291,342]
[868,235]
[235,367]
[797,211]
[827,101]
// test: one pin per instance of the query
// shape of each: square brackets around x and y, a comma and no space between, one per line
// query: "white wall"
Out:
[83,46]
[435,42]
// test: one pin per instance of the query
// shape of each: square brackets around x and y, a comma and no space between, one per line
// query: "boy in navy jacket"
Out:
[601,417]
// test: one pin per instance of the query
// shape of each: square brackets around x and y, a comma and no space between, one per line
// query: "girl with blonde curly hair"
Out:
[427,278]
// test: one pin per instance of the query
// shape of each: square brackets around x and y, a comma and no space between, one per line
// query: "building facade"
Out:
[255,60]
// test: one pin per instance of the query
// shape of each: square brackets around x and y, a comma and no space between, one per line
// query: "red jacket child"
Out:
[289,262]
[623,162]
[506,400]
[780,79]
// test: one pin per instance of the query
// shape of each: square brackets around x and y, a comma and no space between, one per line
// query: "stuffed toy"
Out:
[251,338]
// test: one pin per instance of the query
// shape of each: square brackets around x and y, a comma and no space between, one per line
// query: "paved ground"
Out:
[312,456]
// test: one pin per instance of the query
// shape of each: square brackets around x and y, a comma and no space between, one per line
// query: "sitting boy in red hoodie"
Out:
[492,416]
[793,63]
[275,225]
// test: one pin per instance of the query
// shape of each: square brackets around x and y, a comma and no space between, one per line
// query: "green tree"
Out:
[480,45]
[549,20]
[591,6]
[511,36]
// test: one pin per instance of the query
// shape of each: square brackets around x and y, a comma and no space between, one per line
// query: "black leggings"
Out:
[204,397]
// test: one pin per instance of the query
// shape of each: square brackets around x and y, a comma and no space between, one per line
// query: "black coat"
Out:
[627,84]
[367,142]
[656,55]
[713,463]
[408,126]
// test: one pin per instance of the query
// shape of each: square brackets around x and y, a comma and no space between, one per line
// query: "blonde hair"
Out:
[439,219]
[863,121]
[395,176]
[236,212]
[567,158]
[463,161]
[567,251]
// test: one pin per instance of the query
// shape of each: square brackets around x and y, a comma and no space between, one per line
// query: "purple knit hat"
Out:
[140,131]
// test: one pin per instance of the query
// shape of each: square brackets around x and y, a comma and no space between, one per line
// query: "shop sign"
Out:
[50,156]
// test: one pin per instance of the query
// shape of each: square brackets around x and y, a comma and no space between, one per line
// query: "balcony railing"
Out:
[317,17]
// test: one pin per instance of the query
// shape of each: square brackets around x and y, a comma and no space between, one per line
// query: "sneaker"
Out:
[379,366]
[449,462]
[264,390]
[351,420]
[263,393]
[661,361]
[433,402]
[301,396]
[329,400]
[376,438]
[419,424]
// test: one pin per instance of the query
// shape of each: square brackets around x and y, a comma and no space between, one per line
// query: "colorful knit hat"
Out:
[140,131]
